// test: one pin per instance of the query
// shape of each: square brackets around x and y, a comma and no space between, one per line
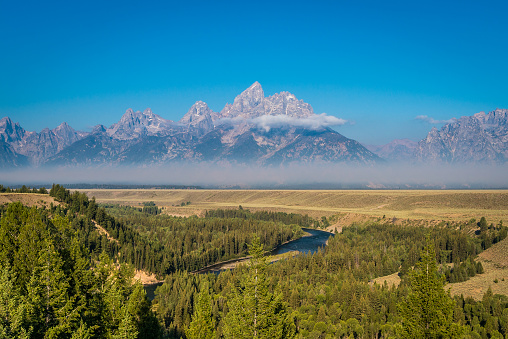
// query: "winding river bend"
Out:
[306,244]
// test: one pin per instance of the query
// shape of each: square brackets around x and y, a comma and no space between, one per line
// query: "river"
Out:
[307,244]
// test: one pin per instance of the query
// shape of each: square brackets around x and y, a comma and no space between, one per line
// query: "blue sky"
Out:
[377,64]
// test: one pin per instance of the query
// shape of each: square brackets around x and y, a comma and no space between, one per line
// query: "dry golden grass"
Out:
[495,276]
[402,204]
[495,265]
[28,199]
[392,279]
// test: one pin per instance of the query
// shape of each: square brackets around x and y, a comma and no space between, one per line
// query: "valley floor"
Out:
[354,205]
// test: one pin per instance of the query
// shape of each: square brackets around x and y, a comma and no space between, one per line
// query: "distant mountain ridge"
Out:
[277,129]
[397,150]
[254,129]
[478,139]
[37,147]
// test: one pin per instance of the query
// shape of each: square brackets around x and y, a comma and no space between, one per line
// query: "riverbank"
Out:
[309,243]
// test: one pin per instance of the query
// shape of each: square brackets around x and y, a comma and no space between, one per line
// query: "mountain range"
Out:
[274,130]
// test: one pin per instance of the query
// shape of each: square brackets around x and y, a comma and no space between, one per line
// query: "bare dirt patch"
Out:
[103,231]
[146,278]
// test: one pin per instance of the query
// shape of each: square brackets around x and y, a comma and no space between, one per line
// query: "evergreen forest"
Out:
[66,271]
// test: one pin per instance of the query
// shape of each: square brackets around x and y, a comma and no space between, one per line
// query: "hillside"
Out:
[328,293]
[28,199]
[495,264]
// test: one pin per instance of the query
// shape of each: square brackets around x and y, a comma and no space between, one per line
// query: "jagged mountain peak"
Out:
[254,88]
[66,132]
[98,129]
[7,124]
[130,114]
[10,131]
[199,117]
[199,109]
[252,103]
[135,124]
[63,127]
[479,115]
[250,99]
[5,121]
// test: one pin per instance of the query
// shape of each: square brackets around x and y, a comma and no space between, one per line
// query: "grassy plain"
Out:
[401,204]
[28,199]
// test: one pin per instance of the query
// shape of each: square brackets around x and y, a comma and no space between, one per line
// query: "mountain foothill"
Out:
[255,129]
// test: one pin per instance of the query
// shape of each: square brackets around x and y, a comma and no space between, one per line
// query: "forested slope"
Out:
[163,244]
[329,293]
[50,287]
[60,277]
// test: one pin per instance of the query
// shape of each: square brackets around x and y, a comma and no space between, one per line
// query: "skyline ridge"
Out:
[274,129]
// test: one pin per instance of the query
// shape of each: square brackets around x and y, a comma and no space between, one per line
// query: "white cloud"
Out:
[268,122]
[433,121]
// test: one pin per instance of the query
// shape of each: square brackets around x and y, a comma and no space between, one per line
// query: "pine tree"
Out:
[427,312]
[254,311]
[83,332]
[202,325]
[138,307]
[50,306]
[13,312]
[127,328]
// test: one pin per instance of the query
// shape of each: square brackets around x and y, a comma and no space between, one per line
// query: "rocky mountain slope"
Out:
[481,138]
[36,147]
[277,129]
[273,130]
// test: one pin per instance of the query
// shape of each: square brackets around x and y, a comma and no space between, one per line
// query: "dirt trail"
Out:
[103,231]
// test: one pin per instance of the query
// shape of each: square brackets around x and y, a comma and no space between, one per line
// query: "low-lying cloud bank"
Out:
[433,121]
[323,176]
[268,122]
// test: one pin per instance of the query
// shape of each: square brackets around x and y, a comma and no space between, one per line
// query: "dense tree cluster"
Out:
[286,218]
[330,293]
[150,208]
[50,287]
[163,244]
[427,310]
[23,189]
[59,276]
[193,243]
